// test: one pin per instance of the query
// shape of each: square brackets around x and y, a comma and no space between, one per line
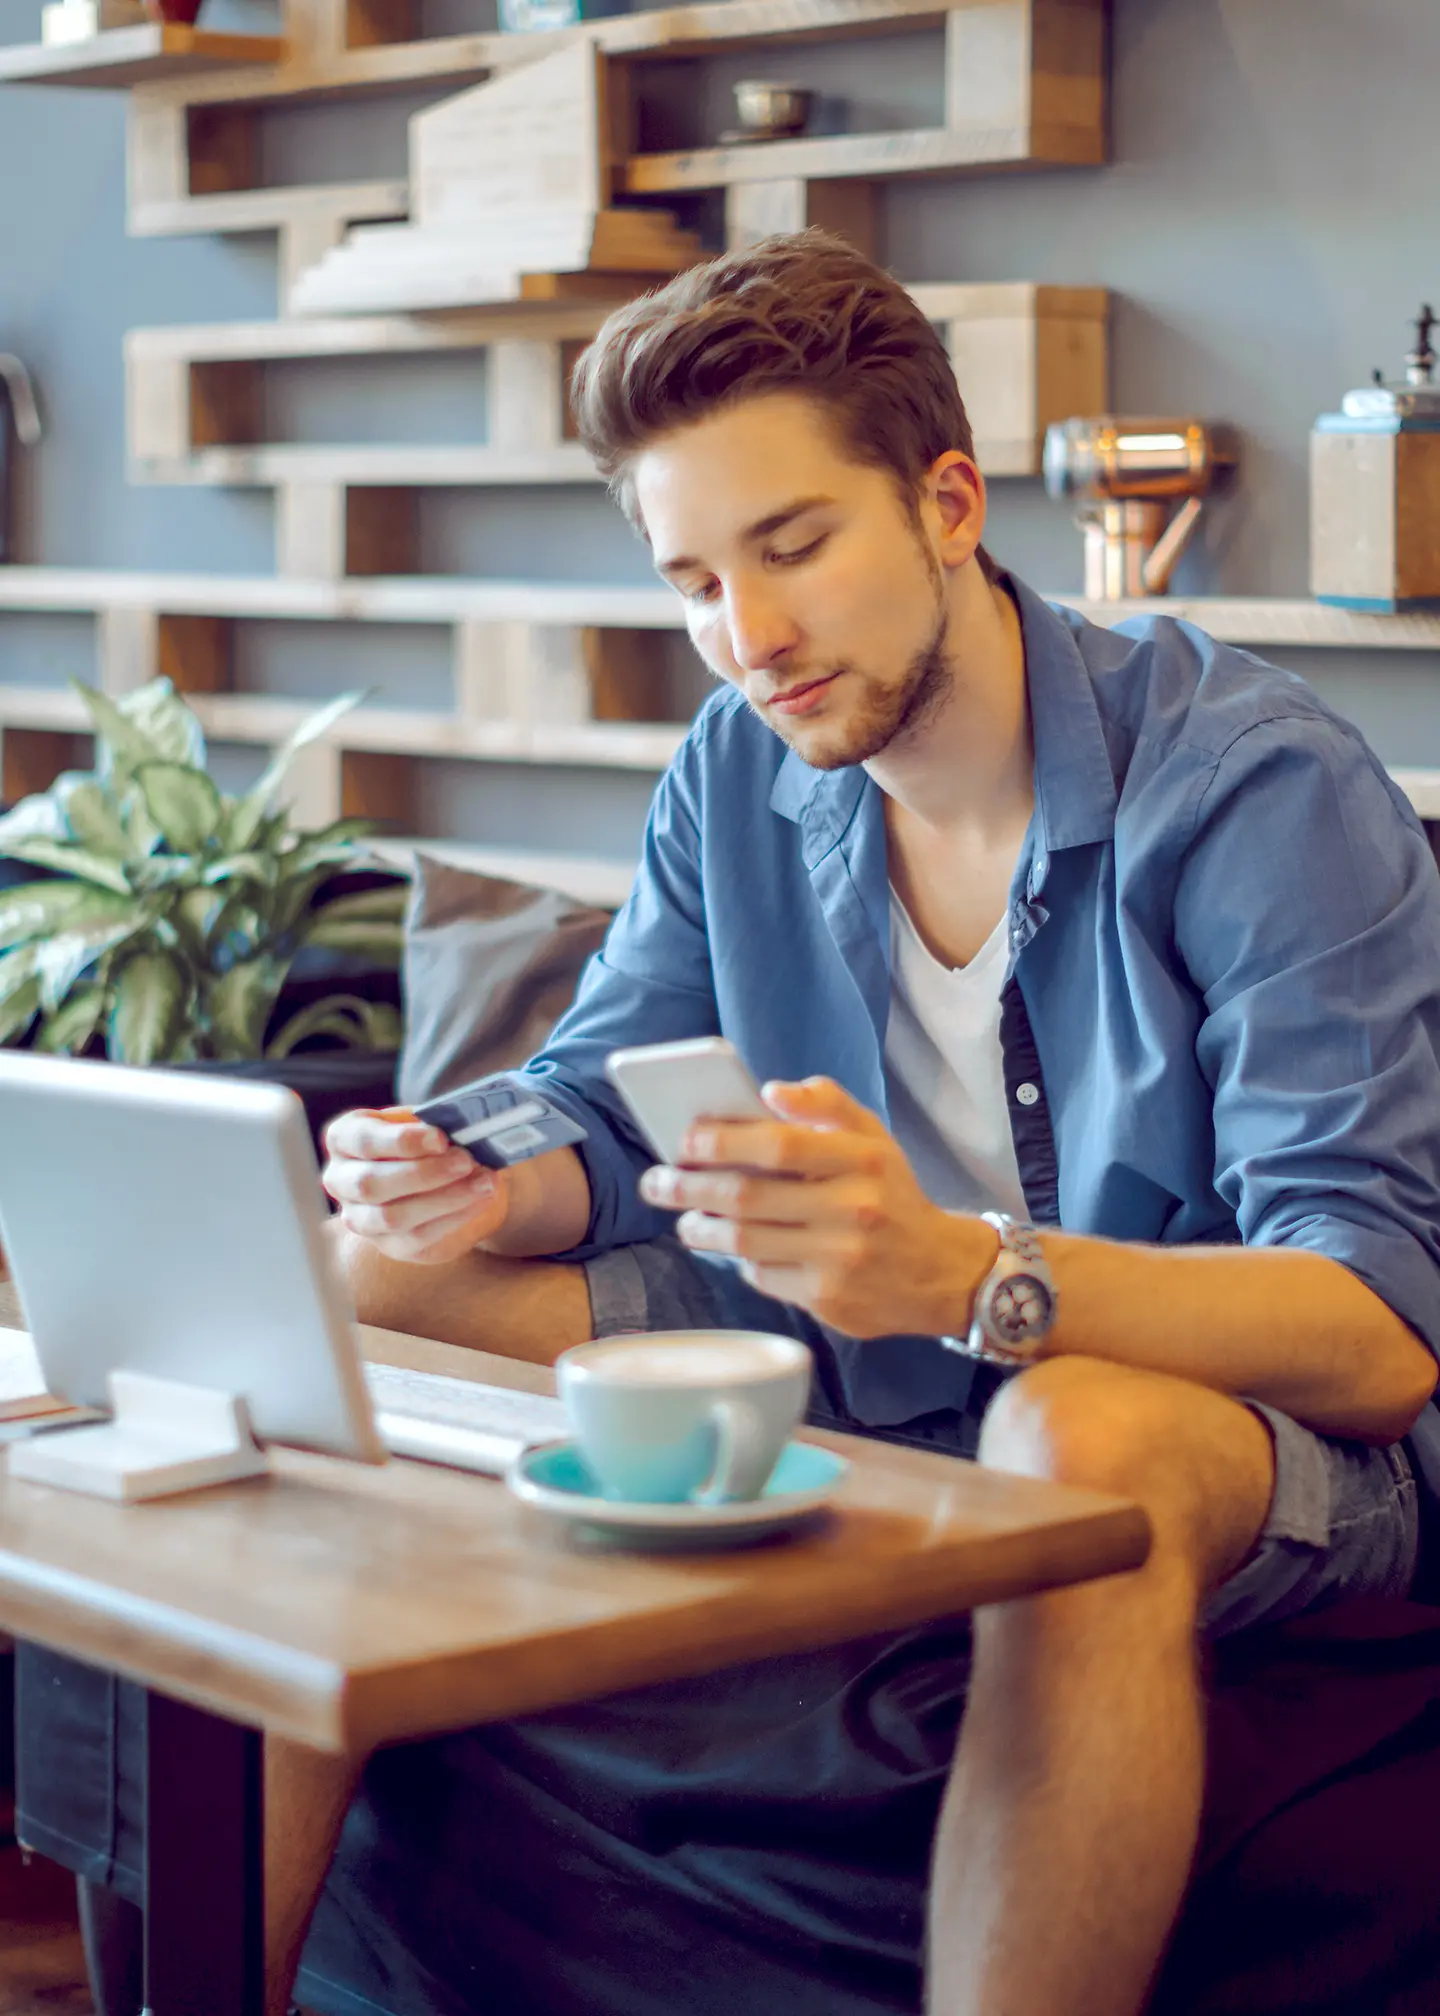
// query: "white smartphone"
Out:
[669,1086]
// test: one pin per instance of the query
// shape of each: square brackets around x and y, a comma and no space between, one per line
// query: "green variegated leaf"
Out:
[240,831]
[332,845]
[165,871]
[18,1009]
[240,1004]
[92,815]
[150,1002]
[73,1024]
[360,1025]
[123,744]
[59,961]
[69,860]
[183,803]
[19,992]
[37,818]
[251,867]
[163,718]
[36,909]
[194,915]
[383,905]
[144,835]
[381,942]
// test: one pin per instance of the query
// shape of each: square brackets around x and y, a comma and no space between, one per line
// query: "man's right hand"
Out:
[407,1189]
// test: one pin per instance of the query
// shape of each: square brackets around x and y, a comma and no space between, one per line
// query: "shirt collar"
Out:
[1074,784]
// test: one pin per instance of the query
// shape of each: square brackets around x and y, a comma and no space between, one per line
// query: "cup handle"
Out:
[738,1443]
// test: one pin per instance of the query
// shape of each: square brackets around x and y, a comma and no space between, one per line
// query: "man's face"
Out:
[805,581]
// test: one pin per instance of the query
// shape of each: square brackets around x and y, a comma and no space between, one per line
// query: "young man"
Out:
[1121,935]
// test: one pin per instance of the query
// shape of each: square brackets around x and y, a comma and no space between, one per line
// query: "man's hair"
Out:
[803,313]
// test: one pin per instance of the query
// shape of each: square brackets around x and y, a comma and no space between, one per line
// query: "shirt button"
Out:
[1027,1094]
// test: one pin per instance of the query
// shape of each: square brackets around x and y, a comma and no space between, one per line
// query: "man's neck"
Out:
[968,771]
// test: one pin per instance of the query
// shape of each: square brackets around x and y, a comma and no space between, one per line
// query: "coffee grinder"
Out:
[1126,476]
[18,411]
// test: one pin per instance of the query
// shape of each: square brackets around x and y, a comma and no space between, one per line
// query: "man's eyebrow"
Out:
[763,528]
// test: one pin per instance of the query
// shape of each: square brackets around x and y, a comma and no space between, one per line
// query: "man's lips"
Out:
[800,699]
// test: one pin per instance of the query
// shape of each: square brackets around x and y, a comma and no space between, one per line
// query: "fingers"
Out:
[444,1238]
[820,1102]
[350,1180]
[784,1149]
[407,1214]
[391,1134]
[777,1200]
[824,1247]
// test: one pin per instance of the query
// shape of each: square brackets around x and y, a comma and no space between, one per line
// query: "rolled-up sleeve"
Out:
[1307,912]
[649,983]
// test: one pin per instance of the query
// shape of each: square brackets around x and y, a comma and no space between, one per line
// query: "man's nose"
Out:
[760,630]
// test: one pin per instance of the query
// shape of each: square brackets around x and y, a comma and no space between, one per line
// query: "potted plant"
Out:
[167,916]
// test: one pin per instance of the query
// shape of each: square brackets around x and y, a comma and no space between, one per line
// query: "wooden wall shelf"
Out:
[1298,625]
[443,599]
[435,599]
[332,204]
[371,465]
[330,68]
[927,151]
[122,58]
[534,665]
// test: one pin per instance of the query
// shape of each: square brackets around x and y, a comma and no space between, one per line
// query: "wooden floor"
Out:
[42,1969]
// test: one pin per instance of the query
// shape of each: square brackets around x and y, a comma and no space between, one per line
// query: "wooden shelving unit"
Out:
[122,58]
[553,674]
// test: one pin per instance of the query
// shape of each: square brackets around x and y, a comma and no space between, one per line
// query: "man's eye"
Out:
[800,553]
[706,592]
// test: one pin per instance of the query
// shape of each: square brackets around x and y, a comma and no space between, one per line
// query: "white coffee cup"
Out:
[669,1416]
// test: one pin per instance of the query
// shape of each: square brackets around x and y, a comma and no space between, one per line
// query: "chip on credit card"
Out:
[500,1124]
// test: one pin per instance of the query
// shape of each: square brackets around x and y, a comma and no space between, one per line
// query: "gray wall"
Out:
[1268,225]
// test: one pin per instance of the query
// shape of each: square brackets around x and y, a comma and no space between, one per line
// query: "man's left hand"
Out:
[821,1208]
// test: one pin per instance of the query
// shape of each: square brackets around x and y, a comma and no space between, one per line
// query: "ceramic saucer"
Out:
[555,1478]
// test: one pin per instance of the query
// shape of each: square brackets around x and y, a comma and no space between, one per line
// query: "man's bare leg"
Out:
[1073,1809]
[531,1309]
[307,1794]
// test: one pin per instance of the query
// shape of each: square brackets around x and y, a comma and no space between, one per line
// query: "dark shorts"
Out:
[754,1840]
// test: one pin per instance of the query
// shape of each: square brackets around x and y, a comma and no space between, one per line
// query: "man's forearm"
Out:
[549,1207]
[1271,1323]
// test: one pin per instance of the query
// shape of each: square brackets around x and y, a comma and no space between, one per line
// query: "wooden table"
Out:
[349,1606]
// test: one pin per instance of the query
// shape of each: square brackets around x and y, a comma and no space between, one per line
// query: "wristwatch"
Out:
[1015,1304]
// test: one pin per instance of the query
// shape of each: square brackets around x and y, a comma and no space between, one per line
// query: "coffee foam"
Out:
[710,1361]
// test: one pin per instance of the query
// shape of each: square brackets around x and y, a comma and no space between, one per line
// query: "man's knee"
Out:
[1201,1464]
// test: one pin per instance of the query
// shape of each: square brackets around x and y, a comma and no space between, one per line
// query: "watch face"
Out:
[1020,1308]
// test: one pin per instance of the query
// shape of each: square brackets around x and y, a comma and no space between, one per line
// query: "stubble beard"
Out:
[885,714]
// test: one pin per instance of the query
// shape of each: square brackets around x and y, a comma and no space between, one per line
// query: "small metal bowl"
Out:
[771,111]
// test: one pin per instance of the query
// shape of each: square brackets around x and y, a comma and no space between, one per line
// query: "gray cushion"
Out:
[489,967]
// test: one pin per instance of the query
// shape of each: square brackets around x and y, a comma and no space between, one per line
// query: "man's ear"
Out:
[958,491]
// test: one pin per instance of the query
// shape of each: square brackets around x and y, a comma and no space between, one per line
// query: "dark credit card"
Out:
[500,1124]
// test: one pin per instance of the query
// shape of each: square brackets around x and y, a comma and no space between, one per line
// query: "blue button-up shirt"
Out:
[1224,978]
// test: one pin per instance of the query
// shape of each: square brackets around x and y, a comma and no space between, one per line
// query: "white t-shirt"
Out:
[944,1073]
